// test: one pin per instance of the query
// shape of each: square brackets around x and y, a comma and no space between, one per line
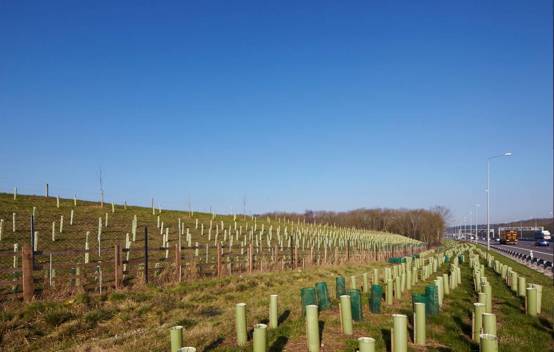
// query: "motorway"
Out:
[525,247]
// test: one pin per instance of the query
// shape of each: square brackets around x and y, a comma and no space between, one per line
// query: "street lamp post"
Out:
[476,221]
[489,195]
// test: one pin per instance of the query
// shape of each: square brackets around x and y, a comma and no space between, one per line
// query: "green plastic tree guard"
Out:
[539,297]
[489,323]
[346,314]
[397,288]
[440,289]
[312,328]
[176,336]
[260,338]
[419,323]
[341,286]
[388,296]
[240,323]
[365,283]
[375,276]
[366,344]
[375,298]
[514,282]
[399,333]
[356,304]
[408,279]
[307,296]
[322,294]
[273,312]
[483,299]
[352,281]
[531,301]
[488,343]
[432,304]
[521,286]
[477,320]
[486,288]
[446,285]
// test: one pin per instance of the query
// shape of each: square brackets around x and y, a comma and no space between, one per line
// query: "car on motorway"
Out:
[542,243]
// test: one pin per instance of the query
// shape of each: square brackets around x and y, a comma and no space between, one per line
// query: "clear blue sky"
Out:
[297,105]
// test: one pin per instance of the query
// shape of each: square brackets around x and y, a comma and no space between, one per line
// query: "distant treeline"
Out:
[424,225]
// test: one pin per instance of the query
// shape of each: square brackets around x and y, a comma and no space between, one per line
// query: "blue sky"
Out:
[293,105]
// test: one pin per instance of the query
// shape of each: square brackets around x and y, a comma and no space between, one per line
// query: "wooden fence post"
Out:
[250,258]
[27,266]
[218,256]
[117,267]
[347,251]
[178,267]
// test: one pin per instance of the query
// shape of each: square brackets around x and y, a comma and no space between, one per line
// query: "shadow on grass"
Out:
[466,328]
[546,324]
[387,338]
[279,344]
[214,344]
[284,316]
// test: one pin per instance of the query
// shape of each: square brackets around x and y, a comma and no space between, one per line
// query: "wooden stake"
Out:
[27,265]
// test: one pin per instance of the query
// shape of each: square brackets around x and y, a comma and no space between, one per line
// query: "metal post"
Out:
[488,204]
[33,240]
[117,266]
[145,254]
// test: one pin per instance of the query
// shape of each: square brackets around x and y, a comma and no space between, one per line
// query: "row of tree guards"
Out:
[398,279]
[483,318]
[113,255]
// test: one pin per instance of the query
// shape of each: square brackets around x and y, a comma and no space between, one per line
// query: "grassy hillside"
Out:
[276,243]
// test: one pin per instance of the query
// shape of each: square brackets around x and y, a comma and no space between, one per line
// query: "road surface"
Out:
[525,247]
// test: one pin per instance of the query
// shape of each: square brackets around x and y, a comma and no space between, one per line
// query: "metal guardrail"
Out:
[527,258]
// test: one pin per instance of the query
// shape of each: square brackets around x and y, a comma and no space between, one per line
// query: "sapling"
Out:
[99,233]
[134,228]
[15,250]
[50,271]
[87,256]
[35,241]
[53,231]
[166,243]
[128,251]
